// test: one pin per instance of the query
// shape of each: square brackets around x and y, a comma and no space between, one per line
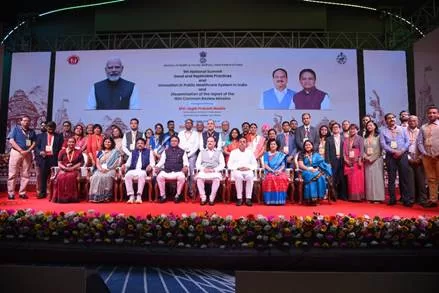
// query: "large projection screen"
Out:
[214,83]
[385,77]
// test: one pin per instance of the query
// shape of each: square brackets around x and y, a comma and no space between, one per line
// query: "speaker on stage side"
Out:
[50,279]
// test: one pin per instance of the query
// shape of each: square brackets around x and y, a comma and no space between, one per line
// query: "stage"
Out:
[328,237]
[221,209]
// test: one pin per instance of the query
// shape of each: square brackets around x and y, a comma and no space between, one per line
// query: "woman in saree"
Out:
[160,141]
[231,144]
[323,135]
[117,136]
[275,183]
[373,164]
[353,152]
[314,172]
[101,182]
[94,143]
[256,142]
[78,134]
[148,137]
[65,187]
[272,134]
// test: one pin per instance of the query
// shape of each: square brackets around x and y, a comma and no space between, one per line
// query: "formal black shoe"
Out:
[11,196]
[23,196]
[177,199]
[239,202]
[41,195]
[248,202]
[391,203]
[429,204]
[162,199]
[407,204]
[203,203]
[211,203]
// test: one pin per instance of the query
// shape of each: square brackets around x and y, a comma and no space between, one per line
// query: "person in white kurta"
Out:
[210,162]
[138,170]
[190,144]
[242,162]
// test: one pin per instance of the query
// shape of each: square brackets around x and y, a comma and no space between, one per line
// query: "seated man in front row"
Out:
[242,162]
[210,162]
[175,164]
[140,162]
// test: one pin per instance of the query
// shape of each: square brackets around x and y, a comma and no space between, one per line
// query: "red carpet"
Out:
[221,209]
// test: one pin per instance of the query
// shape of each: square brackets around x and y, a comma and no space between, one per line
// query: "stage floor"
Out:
[357,209]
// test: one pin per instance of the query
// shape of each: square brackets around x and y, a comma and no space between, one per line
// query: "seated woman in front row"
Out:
[314,173]
[65,188]
[275,184]
[101,182]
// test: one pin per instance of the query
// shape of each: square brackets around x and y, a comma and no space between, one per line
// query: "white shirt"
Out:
[337,144]
[139,160]
[134,100]
[240,159]
[218,168]
[189,142]
[161,163]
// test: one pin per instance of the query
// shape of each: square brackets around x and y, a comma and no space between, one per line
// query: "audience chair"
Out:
[257,185]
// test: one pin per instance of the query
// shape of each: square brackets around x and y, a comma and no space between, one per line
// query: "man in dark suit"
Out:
[47,147]
[287,143]
[334,155]
[307,132]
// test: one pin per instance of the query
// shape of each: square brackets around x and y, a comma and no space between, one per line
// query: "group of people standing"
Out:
[350,159]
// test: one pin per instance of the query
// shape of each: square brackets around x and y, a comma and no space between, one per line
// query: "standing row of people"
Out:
[347,156]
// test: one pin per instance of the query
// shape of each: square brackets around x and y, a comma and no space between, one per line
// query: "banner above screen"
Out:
[110,87]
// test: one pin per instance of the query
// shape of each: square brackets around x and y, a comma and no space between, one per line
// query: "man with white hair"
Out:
[242,162]
[114,92]
[210,162]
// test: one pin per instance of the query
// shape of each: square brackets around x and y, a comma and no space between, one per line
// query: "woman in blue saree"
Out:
[101,182]
[159,141]
[275,183]
[314,173]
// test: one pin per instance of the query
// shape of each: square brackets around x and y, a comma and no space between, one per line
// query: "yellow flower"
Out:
[166,224]
[308,219]
[351,221]
[323,228]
